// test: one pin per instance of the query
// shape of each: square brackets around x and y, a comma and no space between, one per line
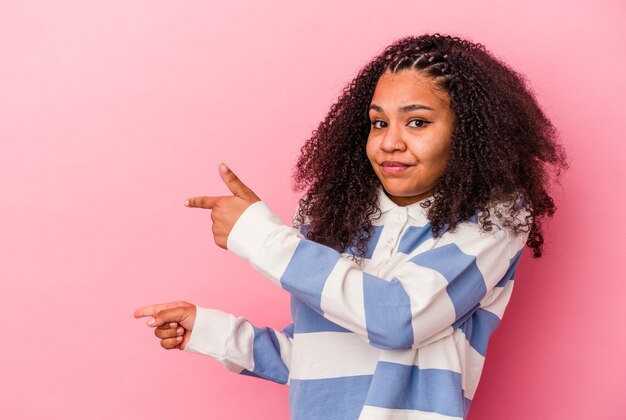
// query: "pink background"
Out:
[112,113]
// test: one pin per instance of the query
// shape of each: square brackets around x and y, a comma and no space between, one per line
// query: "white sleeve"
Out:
[428,294]
[241,346]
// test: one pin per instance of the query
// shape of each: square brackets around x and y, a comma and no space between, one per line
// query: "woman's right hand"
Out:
[173,322]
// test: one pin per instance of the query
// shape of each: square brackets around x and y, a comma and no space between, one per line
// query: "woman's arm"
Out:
[241,346]
[425,300]
[233,341]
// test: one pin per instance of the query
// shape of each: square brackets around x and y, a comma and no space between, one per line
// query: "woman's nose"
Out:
[393,139]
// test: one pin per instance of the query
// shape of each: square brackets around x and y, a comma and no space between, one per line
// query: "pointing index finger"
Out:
[152,310]
[201,202]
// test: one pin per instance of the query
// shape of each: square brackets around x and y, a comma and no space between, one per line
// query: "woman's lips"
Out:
[393,167]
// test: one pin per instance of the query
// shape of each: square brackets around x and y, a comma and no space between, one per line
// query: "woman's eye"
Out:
[383,124]
[421,123]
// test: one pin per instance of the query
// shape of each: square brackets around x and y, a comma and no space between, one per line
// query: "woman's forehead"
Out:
[406,87]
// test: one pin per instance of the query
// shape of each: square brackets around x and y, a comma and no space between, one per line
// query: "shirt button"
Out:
[390,241]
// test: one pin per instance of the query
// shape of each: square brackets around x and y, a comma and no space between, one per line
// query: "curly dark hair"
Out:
[504,150]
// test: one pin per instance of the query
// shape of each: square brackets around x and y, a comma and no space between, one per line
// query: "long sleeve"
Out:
[241,346]
[427,296]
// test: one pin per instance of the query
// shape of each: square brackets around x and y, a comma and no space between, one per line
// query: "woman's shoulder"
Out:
[506,222]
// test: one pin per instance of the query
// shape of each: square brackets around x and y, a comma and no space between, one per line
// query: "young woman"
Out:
[423,185]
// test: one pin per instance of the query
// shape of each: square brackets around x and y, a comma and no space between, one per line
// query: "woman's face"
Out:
[410,136]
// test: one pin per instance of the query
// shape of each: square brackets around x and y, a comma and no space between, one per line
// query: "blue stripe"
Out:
[267,361]
[473,219]
[333,398]
[371,243]
[466,405]
[288,330]
[387,313]
[413,237]
[510,273]
[246,372]
[466,285]
[308,270]
[306,320]
[465,317]
[403,387]
[478,329]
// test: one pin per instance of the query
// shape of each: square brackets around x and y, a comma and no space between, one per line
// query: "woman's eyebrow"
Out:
[405,108]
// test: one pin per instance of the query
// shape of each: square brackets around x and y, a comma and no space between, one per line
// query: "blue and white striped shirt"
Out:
[403,335]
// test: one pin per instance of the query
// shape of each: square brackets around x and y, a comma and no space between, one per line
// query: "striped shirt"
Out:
[403,335]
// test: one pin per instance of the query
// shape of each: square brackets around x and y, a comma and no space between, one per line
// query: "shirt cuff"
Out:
[211,332]
[252,230]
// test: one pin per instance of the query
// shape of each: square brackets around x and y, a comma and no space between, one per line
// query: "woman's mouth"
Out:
[392,167]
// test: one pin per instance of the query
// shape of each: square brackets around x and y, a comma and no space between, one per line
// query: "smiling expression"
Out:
[410,135]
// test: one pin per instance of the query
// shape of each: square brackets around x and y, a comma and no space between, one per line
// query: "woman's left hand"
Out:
[225,211]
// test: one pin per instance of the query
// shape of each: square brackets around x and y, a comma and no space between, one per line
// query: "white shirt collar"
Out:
[415,210]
